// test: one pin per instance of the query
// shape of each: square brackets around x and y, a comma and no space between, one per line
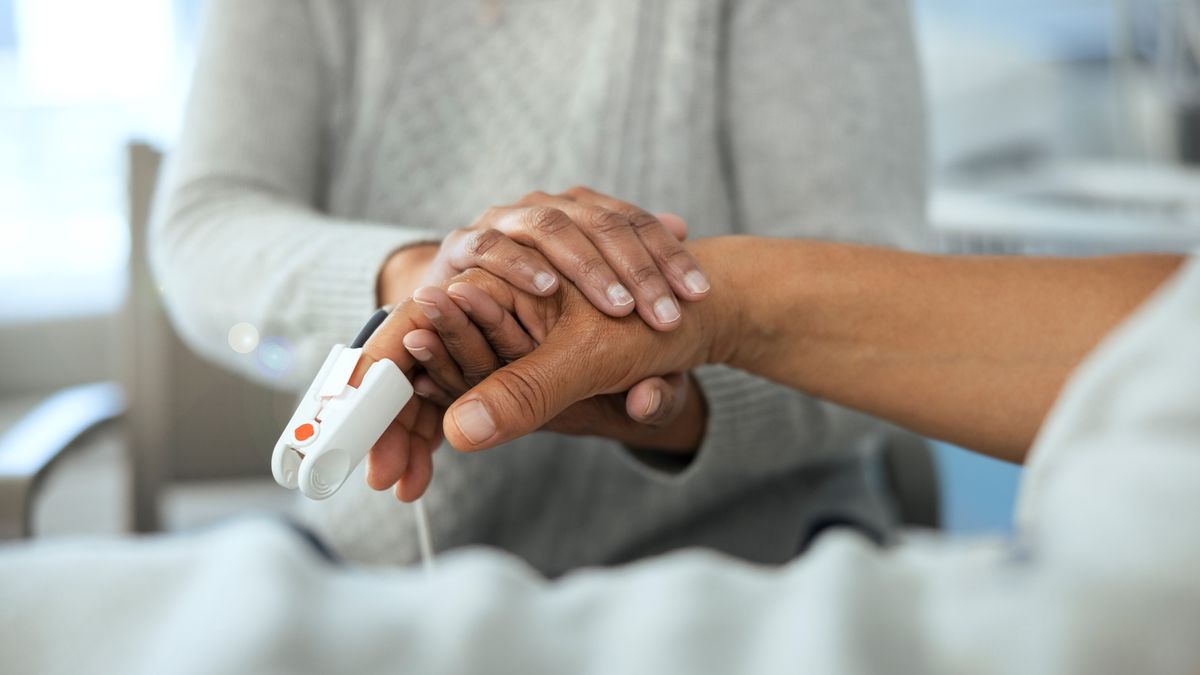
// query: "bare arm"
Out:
[972,350]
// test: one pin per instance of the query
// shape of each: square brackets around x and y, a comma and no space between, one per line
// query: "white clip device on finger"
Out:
[336,424]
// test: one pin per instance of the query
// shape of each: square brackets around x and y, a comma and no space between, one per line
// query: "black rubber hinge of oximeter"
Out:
[369,329]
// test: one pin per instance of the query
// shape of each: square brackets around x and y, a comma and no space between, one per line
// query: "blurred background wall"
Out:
[1064,126]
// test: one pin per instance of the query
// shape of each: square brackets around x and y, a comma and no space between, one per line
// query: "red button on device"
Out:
[304,432]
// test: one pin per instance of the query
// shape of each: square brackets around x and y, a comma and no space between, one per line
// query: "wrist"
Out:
[726,316]
[401,274]
[759,286]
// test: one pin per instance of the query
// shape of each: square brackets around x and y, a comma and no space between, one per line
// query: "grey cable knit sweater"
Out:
[322,135]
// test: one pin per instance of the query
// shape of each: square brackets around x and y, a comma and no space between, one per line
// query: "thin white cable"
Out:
[424,541]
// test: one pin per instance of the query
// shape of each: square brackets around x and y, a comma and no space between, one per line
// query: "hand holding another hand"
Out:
[622,258]
[580,353]
[475,336]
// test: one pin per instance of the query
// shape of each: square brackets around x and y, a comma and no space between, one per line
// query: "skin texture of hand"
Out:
[622,258]
[474,337]
[969,349]
[608,356]
[663,413]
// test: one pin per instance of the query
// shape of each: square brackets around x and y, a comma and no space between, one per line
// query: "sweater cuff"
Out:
[342,285]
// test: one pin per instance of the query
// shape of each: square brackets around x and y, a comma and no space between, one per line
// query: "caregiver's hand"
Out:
[475,336]
[621,257]
[582,353]
[848,324]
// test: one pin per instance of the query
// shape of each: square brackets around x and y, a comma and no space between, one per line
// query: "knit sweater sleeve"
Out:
[238,234]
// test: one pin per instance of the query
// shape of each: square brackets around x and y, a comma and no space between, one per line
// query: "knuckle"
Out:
[476,372]
[644,274]
[594,268]
[508,354]
[642,221]
[608,223]
[471,361]
[476,276]
[525,391]
[675,255]
[496,336]
[578,191]
[452,340]
[508,344]
[483,242]
[517,260]
[547,221]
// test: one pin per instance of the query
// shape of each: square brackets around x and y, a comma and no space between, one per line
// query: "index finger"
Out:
[387,342]
[676,262]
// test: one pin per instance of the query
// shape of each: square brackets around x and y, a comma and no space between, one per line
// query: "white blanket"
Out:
[1104,578]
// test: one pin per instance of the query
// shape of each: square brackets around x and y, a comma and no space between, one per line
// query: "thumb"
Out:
[657,401]
[519,398]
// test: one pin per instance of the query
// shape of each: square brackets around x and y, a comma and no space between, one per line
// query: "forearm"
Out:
[971,350]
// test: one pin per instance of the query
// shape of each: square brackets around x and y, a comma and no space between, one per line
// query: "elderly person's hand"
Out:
[474,336]
[621,257]
[581,353]
[593,239]
[849,324]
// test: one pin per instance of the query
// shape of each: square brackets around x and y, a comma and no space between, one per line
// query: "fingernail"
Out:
[696,282]
[666,310]
[474,421]
[543,282]
[420,353]
[654,404]
[430,309]
[619,295]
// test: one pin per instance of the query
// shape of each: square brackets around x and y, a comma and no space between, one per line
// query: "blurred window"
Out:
[8,34]
[78,79]
[1014,81]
